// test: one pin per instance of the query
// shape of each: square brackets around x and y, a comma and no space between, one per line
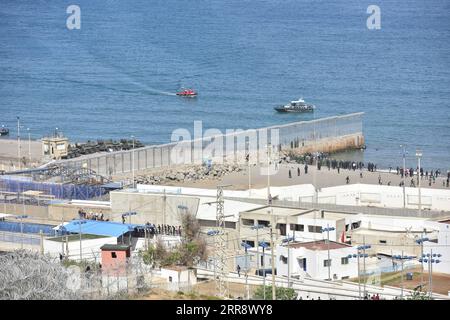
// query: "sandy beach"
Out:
[8,152]
[321,178]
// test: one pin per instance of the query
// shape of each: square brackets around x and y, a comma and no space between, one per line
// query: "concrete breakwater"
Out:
[187,173]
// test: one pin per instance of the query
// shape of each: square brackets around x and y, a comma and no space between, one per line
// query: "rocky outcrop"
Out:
[188,173]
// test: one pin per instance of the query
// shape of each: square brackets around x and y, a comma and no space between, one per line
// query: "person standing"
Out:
[238,269]
[298,172]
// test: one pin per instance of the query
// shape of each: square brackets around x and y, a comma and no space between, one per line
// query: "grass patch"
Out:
[76,237]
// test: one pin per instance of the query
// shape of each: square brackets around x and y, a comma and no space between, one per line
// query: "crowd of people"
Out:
[163,229]
[322,160]
[366,297]
[99,216]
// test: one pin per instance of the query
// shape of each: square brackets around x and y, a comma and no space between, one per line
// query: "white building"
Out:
[441,247]
[179,278]
[69,246]
[310,259]
[384,196]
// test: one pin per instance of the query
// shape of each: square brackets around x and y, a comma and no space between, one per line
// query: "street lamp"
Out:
[419,155]
[246,246]
[429,258]
[357,256]
[29,145]
[269,197]
[404,173]
[327,230]
[363,248]
[402,258]
[247,158]
[287,240]
[264,246]
[18,141]
[257,227]
[420,242]
[129,214]
[132,160]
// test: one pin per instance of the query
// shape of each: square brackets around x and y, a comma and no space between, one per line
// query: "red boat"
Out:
[187,93]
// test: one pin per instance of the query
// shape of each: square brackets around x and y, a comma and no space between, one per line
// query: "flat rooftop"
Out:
[304,213]
[278,211]
[383,232]
[328,215]
[319,245]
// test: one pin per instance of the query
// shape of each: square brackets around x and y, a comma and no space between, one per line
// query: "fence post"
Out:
[41,234]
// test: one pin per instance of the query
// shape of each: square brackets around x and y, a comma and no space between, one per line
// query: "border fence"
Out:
[229,147]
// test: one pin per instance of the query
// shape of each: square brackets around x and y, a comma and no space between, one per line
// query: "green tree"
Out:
[189,252]
[282,293]
[418,295]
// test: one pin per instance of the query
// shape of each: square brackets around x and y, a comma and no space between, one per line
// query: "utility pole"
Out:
[401,294]
[327,230]
[269,198]
[430,271]
[164,206]
[18,141]
[274,294]
[264,273]
[359,279]
[246,271]
[221,243]
[81,246]
[29,146]
[419,155]
[364,262]
[249,170]
[21,233]
[420,242]
[132,161]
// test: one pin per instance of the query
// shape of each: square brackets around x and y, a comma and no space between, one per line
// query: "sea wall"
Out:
[328,145]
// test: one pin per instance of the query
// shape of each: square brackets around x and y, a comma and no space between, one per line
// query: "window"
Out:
[113,255]
[383,241]
[265,223]
[344,260]
[327,263]
[248,222]
[249,242]
[297,227]
[283,259]
[315,229]
[170,279]
[282,227]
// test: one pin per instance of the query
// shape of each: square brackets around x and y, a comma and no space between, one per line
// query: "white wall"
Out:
[314,262]
[441,247]
[184,276]
[90,248]
[305,236]
[385,196]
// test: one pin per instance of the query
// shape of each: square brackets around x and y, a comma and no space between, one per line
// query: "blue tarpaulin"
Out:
[100,228]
